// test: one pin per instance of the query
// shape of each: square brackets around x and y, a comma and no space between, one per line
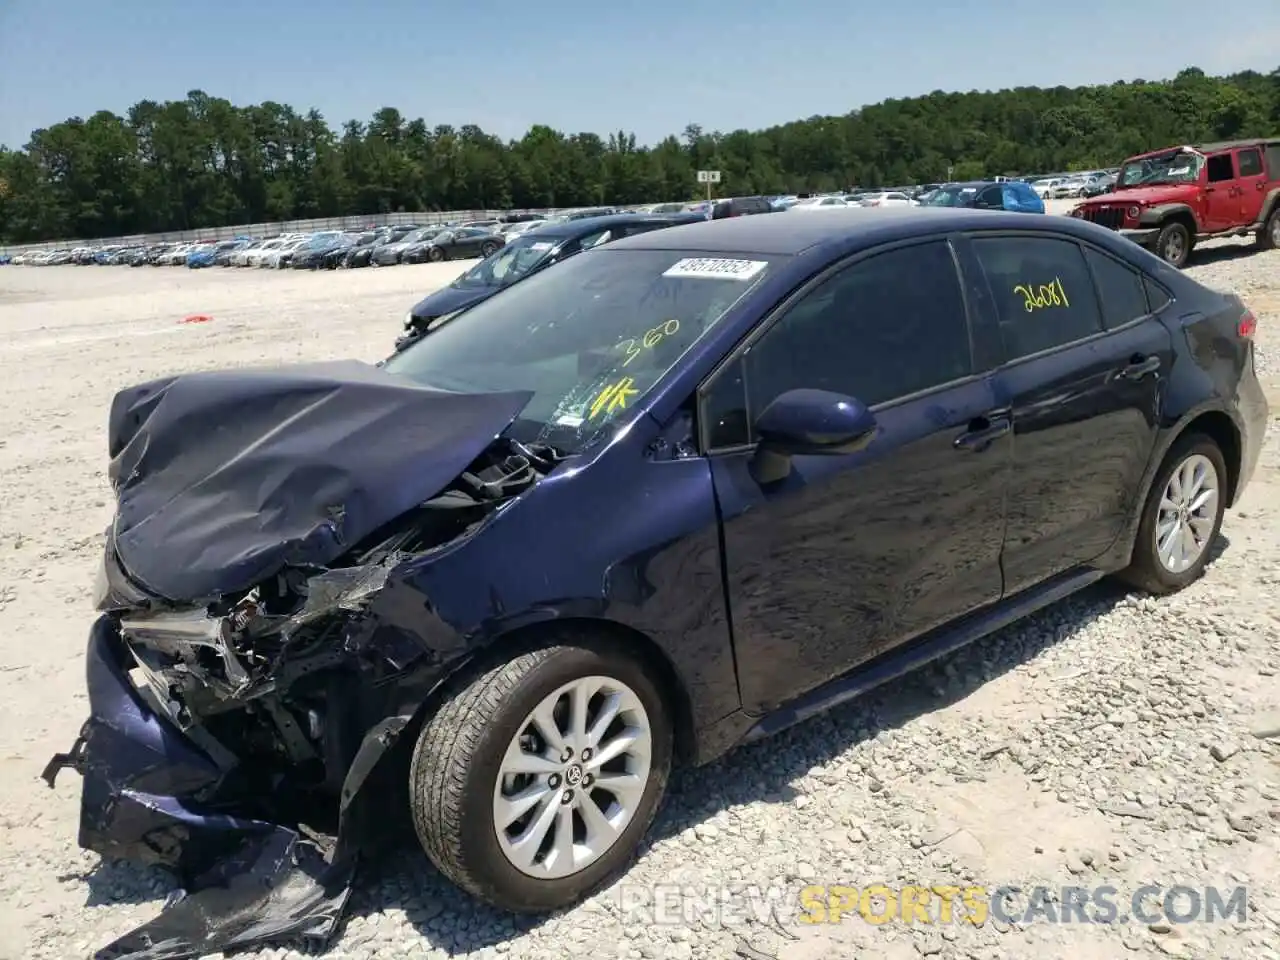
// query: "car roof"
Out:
[782,235]
[588,225]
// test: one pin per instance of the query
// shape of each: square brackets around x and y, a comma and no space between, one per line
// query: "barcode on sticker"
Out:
[541,245]
[715,268]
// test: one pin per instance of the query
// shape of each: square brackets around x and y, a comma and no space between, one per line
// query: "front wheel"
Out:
[435,254]
[488,249]
[535,783]
[1173,245]
[1181,518]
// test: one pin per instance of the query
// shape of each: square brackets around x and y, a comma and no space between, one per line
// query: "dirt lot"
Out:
[1075,748]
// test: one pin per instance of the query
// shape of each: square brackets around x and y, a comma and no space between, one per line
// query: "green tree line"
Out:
[204,162]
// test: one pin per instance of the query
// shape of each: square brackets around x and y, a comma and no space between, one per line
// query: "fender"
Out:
[1269,203]
[1120,553]
[1154,216]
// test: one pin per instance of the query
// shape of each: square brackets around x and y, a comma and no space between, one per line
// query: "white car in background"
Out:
[516,229]
[254,257]
[272,259]
[1044,188]
[1071,187]
[820,203]
[240,257]
[888,198]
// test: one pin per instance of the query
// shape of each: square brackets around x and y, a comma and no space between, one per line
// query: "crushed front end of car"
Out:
[257,654]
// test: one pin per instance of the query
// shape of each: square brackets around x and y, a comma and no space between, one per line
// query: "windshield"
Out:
[950,197]
[1178,166]
[509,264]
[589,338]
[419,235]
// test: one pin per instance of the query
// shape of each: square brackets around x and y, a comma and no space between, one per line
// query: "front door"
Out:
[1086,367]
[1222,193]
[851,555]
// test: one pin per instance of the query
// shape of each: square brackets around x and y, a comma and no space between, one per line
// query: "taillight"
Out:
[1247,326]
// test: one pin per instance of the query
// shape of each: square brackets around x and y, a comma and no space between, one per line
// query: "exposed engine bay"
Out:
[262,644]
[250,677]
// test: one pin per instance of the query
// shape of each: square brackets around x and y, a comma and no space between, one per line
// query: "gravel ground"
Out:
[1109,740]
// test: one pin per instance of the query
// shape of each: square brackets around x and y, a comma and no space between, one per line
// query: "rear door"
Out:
[1086,366]
[1252,181]
[851,555]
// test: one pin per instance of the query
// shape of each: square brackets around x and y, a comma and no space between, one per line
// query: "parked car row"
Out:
[328,249]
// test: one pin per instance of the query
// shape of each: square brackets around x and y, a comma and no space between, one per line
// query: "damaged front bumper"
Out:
[153,796]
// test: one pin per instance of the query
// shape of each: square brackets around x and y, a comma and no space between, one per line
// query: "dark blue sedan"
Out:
[1015,196]
[526,255]
[679,493]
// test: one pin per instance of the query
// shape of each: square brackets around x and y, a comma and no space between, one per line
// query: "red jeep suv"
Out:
[1171,199]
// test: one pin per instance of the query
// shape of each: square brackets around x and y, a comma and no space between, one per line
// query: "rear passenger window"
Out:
[1043,292]
[1250,162]
[1119,289]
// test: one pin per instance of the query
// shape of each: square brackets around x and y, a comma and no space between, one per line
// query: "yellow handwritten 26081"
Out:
[651,339]
[614,397]
[1044,296]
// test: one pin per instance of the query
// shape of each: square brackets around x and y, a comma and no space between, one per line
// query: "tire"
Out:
[435,254]
[1173,245]
[455,779]
[488,250]
[1147,570]
[1269,235]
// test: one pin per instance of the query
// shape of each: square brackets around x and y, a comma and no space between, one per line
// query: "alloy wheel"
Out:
[572,777]
[1186,514]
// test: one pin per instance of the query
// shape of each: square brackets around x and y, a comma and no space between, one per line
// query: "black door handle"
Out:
[1139,367]
[982,431]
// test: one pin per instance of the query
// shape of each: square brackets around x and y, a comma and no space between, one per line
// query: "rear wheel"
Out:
[535,782]
[1173,245]
[1269,235]
[1181,518]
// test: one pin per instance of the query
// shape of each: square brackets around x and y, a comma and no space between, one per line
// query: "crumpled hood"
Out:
[451,298]
[223,479]
[1148,196]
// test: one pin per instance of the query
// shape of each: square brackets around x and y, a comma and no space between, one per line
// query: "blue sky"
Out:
[648,67]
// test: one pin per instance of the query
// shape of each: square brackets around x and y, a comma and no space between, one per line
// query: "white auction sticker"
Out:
[541,245]
[717,269]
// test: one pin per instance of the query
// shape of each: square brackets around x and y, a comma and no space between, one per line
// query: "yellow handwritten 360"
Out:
[1046,295]
[632,346]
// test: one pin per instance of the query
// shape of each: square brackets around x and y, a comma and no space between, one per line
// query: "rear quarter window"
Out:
[1120,289]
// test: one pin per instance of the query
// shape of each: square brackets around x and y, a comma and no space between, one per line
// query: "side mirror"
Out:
[809,423]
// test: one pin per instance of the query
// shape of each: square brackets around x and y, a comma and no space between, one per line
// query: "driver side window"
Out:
[885,327]
[991,198]
[1221,168]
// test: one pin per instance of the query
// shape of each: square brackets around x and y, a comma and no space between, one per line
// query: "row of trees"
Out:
[203,162]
